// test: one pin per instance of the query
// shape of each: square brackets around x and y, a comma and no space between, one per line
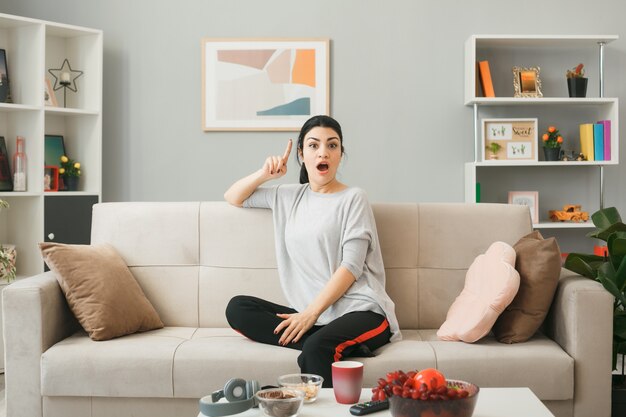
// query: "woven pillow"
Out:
[491,283]
[100,290]
[539,265]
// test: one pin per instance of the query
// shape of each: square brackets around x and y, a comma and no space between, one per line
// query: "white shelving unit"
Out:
[553,54]
[32,47]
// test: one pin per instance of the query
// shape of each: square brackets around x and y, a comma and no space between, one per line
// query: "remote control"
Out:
[368,407]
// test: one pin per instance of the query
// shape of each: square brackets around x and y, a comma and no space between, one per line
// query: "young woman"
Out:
[329,260]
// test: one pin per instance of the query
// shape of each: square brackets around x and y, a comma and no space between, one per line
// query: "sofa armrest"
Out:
[581,322]
[36,316]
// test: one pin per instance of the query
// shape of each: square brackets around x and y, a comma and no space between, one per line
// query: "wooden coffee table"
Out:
[492,402]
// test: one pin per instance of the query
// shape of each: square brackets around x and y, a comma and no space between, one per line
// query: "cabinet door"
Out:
[68,219]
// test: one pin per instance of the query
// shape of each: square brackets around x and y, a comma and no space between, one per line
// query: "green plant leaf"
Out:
[613,245]
[605,233]
[620,274]
[619,327]
[617,255]
[583,264]
[604,218]
[608,281]
[607,269]
[617,244]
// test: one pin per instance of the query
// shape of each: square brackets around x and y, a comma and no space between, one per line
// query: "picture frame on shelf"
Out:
[264,84]
[511,140]
[526,82]
[5,90]
[54,149]
[527,198]
[6,180]
[51,178]
[50,98]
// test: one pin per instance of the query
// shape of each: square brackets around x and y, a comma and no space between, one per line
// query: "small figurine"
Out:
[570,212]
[581,157]
[568,155]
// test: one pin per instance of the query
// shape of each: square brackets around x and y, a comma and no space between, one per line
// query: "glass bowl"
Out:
[457,407]
[280,402]
[309,384]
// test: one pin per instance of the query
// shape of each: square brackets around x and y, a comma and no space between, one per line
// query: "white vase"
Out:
[6,270]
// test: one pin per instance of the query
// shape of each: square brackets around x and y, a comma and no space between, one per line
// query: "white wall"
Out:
[397,87]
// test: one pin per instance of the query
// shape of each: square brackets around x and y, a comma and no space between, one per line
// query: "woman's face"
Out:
[321,154]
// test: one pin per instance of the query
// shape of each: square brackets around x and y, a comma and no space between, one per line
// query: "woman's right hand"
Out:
[276,166]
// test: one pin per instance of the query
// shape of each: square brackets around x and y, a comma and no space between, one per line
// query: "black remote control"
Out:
[368,407]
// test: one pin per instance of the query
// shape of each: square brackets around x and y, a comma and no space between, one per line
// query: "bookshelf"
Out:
[32,47]
[554,54]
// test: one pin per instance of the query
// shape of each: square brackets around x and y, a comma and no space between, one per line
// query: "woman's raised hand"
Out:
[276,166]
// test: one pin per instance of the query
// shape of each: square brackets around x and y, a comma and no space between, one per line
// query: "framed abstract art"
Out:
[263,84]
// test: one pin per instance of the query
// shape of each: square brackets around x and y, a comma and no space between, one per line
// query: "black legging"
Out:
[256,319]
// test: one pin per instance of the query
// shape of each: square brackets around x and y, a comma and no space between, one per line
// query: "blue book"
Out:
[598,141]
[607,139]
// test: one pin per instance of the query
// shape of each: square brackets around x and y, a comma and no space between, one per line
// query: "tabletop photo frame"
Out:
[526,82]
[51,178]
[54,149]
[527,198]
[6,181]
[511,140]
[50,98]
[5,91]
[263,84]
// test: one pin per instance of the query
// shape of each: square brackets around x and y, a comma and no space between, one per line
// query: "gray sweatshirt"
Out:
[316,233]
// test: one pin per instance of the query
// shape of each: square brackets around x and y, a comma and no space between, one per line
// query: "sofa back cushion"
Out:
[190,258]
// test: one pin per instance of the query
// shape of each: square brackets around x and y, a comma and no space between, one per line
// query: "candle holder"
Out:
[65,78]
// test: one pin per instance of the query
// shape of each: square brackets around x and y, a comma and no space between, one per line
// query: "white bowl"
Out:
[309,384]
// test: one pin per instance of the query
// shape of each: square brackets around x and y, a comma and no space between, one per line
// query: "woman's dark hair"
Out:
[315,121]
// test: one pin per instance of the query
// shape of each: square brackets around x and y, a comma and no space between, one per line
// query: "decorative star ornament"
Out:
[65,81]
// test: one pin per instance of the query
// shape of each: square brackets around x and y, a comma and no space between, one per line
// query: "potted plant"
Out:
[610,271]
[494,148]
[7,255]
[576,81]
[70,172]
[552,141]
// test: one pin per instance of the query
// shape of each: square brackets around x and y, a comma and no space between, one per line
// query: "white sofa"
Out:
[191,258]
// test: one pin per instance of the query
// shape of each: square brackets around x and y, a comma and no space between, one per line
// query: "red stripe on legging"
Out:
[360,339]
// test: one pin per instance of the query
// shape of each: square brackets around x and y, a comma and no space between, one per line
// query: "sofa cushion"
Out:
[540,364]
[100,290]
[186,362]
[137,365]
[490,285]
[539,265]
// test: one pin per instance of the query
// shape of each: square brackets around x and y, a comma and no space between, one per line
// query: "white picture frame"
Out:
[527,198]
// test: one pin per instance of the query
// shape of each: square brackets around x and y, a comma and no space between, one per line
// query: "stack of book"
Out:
[595,140]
